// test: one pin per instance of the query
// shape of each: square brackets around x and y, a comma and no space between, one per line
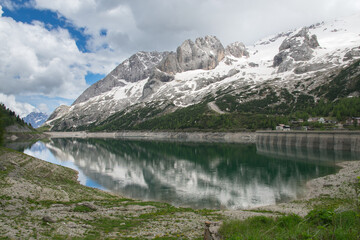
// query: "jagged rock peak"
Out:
[59,112]
[139,66]
[237,49]
[299,39]
[297,47]
[205,53]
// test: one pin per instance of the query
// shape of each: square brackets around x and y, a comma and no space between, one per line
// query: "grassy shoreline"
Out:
[40,200]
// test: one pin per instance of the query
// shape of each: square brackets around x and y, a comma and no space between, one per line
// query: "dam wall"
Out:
[315,145]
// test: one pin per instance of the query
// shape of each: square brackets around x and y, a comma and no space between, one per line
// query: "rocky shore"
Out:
[40,200]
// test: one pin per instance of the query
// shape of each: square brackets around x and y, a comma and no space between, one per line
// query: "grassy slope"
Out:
[318,224]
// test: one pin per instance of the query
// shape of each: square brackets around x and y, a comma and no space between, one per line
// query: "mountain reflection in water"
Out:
[197,175]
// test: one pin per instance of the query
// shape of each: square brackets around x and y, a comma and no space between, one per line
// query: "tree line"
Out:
[8,118]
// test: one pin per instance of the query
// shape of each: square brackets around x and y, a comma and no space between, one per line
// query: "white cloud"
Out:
[39,61]
[94,16]
[22,109]
[43,108]
[9,4]
[162,24]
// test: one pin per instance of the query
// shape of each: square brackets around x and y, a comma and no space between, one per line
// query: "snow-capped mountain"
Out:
[36,119]
[298,62]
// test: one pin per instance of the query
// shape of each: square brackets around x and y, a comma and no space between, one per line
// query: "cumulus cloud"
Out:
[163,24]
[39,61]
[43,108]
[12,5]
[95,16]
[22,109]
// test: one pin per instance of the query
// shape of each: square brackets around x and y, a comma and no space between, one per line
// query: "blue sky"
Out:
[51,51]
[51,20]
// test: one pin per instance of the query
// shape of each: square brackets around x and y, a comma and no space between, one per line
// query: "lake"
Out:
[197,175]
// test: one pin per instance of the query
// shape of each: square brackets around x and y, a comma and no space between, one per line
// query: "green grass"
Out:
[43,129]
[318,224]
[331,218]
[82,208]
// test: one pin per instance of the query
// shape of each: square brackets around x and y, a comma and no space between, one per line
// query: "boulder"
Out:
[89,205]
[49,219]
[211,231]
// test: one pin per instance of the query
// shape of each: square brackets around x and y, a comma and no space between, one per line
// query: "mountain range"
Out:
[206,85]
[36,119]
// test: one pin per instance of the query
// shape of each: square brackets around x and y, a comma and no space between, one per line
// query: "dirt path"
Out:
[215,108]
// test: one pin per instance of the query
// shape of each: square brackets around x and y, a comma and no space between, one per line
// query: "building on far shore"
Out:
[283,127]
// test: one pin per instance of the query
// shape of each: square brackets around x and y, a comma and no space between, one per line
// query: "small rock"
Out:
[89,205]
[57,205]
[252,64]
[13,137]
[72,225]
[14,163]
[49,219]
[211,231]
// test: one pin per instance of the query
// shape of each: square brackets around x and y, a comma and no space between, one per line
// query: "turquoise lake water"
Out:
[197,175]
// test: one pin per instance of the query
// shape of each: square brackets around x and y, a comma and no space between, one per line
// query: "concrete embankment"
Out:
[341,140]
[334,140]
[239,137]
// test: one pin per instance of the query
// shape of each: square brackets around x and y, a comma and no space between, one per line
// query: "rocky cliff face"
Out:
[138,67]
[298,47]
[237,49]
[58,114]
[204,53]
